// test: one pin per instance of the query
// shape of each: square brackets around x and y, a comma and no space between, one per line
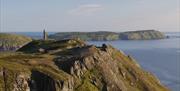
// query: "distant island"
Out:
[142,35]
[109,36]
[13,42]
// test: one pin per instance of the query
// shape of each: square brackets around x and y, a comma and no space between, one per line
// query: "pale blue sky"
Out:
[89,15]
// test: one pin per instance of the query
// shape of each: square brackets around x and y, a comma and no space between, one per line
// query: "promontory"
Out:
[73,65]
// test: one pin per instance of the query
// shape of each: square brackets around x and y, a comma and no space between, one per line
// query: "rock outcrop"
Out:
[72,65]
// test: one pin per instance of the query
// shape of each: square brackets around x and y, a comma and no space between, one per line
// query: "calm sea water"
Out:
[161,57]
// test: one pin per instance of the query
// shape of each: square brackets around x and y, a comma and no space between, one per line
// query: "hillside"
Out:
[10,42]
[72,65]
[96,36]
[106,36]
[142,35]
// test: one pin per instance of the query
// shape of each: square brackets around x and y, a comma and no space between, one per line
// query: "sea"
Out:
[161,57]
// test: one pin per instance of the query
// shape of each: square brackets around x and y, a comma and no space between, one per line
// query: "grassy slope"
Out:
[18,62]
[13,40]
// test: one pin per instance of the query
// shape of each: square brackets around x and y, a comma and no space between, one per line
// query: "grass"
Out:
[91,80]
[86,82]
[13,40]
[17,63]
[133,72]
[50,45]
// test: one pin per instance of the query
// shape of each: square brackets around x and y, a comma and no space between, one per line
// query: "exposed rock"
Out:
[13,81]
[21,83]
[41,50]
[79,68]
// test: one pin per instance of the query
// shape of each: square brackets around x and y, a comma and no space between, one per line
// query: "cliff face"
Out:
[71,65]
[105,36]
[11,42]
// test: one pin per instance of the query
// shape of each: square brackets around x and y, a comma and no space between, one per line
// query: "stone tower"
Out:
[45,35]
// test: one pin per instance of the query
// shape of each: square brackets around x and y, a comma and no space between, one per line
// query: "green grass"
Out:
[50,45]
[19,63]
[92,80]
[86,83]
[13,40]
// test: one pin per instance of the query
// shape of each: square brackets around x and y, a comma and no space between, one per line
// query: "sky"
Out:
[89,15]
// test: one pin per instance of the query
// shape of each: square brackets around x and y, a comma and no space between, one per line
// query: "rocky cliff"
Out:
[10,42]
[72,65]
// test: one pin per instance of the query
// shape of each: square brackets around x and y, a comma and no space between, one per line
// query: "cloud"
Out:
[88,9]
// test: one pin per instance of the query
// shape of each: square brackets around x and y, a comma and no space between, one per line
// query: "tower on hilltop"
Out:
[45,35]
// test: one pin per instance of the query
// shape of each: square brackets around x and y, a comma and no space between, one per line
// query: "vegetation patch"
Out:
[10,42]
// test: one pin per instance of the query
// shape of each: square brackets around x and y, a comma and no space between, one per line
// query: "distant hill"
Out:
[98,36]
[10,42]
[142,35]
[106,36]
